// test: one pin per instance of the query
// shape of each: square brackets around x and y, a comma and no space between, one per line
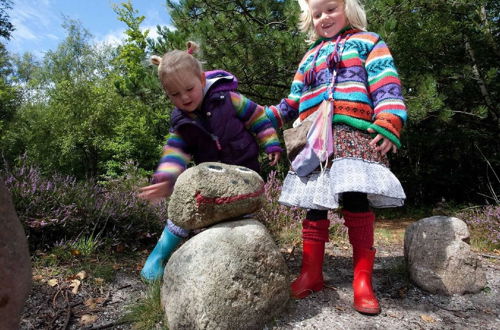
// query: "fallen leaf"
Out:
[52,282]
[82,275]
[427,318]
[99,280]
[37,278]
[88,319]
[75,284]
[90,303]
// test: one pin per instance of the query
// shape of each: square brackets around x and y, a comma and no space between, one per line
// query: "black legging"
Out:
[351,201]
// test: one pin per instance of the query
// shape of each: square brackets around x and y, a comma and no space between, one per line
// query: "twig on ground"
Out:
[291,252]
[68,310]
[484,255]
[107,325]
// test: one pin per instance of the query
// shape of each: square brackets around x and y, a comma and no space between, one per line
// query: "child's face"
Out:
[328,17]
[185,90]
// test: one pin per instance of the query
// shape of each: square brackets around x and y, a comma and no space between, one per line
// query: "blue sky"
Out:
[38,23]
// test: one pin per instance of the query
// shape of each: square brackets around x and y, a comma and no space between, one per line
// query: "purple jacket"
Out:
[217,134]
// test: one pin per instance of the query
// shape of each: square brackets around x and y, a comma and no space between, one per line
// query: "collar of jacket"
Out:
[345,31]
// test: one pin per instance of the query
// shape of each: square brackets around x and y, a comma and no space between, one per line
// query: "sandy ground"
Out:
[404,306]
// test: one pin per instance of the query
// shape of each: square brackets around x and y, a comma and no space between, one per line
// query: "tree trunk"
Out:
[482,85]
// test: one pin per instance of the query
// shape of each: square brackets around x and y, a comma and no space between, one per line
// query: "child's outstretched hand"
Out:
[385,146]
[156,192]
[274,157]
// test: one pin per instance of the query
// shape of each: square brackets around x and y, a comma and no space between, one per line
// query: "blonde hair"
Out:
[178,61]
[354,11]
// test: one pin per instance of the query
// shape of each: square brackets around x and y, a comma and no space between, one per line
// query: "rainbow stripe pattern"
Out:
[256,121]
[367,91]
[175,158]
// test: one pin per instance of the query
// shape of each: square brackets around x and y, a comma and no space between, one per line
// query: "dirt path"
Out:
[403,305]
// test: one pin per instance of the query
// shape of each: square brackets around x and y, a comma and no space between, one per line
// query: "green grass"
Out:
[86,246]
[147,313]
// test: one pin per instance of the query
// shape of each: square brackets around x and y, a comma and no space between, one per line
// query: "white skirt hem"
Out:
[323,190]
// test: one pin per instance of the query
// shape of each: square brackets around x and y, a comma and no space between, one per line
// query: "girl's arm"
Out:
[256,121]
[288,109]
[384,87]
[173,162]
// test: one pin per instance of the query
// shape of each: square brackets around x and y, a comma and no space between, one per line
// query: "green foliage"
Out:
[132,54]
[9,95]
[136,79]
[446,54]
[258,41]
[86,246]
[6,26]
[72,119]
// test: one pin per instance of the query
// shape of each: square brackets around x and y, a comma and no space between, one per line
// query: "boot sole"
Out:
[367,310]
[307,292]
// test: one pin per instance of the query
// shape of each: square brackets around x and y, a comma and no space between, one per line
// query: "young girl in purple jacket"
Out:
[210,122]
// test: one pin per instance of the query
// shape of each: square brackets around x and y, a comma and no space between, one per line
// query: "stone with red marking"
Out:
[213,192]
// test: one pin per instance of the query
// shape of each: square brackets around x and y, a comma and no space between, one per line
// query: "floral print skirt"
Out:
[354,167]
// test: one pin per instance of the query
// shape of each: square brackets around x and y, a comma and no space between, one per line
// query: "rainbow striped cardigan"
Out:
[367,92]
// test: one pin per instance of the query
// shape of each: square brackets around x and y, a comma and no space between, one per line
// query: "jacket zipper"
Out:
[216,140]
[213,136]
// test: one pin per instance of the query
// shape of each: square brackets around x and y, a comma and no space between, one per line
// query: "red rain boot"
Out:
[314,236]
[360,226]
[364,297]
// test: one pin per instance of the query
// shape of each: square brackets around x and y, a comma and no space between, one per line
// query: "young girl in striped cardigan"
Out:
[353,69]
[211,122]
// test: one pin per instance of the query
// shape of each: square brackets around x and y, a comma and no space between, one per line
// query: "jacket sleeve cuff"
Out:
[387,134]
[274,116]
[271,149]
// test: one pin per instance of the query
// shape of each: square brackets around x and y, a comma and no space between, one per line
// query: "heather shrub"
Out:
[57,208]
[484,225]
[284,222]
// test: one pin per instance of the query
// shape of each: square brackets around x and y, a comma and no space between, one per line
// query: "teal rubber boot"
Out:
[155,264]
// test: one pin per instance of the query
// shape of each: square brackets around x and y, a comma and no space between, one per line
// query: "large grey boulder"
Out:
[440,259]
[211,192]
[230,276]
[15,265]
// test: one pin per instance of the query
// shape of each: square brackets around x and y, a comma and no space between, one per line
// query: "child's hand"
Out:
[385,146]
[156,192]
[274,157]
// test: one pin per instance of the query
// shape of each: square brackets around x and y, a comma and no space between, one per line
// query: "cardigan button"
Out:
[209,113]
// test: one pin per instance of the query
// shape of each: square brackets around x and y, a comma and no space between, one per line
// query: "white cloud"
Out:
[117,37]
[32,20]
[34,23]
[52,36]
[22,32]
[114,38]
